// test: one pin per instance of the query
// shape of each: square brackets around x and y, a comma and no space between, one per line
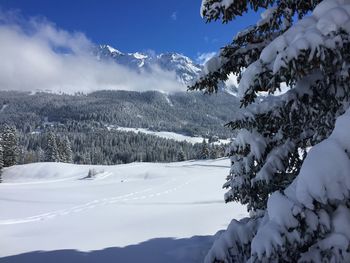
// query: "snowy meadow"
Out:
[124,213]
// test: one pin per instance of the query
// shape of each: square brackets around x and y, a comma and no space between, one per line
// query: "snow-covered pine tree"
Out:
[40,155]
[67,150]
[1,159]
[181,156]
[204,153]
[51,149]
[60,149]
[64,150]
[214,151]
[9,145]
[296,207]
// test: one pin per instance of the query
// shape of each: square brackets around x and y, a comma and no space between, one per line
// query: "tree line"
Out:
[97,146]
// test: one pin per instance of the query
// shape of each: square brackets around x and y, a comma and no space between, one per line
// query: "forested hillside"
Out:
[187,113]
[85,121]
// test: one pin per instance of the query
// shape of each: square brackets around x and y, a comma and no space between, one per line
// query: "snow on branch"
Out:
[324,179]
[313,39]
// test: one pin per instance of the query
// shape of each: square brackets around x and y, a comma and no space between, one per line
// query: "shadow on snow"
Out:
[170,250]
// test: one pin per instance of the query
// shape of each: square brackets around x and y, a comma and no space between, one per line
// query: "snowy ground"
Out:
[128,213]
[168,135]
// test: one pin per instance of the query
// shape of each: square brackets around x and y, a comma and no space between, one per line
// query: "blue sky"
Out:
[139,25]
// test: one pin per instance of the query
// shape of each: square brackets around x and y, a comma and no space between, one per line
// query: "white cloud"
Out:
[174,16]
[36,55]
[202,58]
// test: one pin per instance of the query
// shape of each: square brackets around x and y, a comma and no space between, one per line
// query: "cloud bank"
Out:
[35,55]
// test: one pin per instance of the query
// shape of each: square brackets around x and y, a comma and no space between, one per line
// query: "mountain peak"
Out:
[110,49]
[186,70]
[139,55]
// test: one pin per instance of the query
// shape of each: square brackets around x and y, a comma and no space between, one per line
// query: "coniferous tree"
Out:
[204,153]
[64,150]
[60,149]
[67,150]
[1,159]
[214,152]
[51,149]
[9,145]
[40,155]
[181,156]
[305,46]
[100,146]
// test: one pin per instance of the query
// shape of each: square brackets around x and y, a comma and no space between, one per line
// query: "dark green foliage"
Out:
[89,123]
[181,156]
[64,150]
[186,113]
[285,8]
[51,148]
[214,152]
[9,145]
[204,154]
[1,159]
[102,146]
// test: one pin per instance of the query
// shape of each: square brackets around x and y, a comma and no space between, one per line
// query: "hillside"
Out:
[187,113]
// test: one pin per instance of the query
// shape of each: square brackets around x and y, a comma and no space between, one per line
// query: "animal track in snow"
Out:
[94,204]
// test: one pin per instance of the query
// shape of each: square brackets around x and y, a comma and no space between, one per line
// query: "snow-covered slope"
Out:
[54,207]
[168,135]
[185,69]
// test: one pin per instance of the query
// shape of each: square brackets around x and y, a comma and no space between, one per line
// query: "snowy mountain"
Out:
[186,69]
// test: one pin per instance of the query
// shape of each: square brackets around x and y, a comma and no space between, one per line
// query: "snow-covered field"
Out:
[168,135]
[139,212]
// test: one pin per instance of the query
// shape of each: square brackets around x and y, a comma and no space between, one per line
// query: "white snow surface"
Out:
[139,55]
[147,212]
[113,50]
[169,135]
